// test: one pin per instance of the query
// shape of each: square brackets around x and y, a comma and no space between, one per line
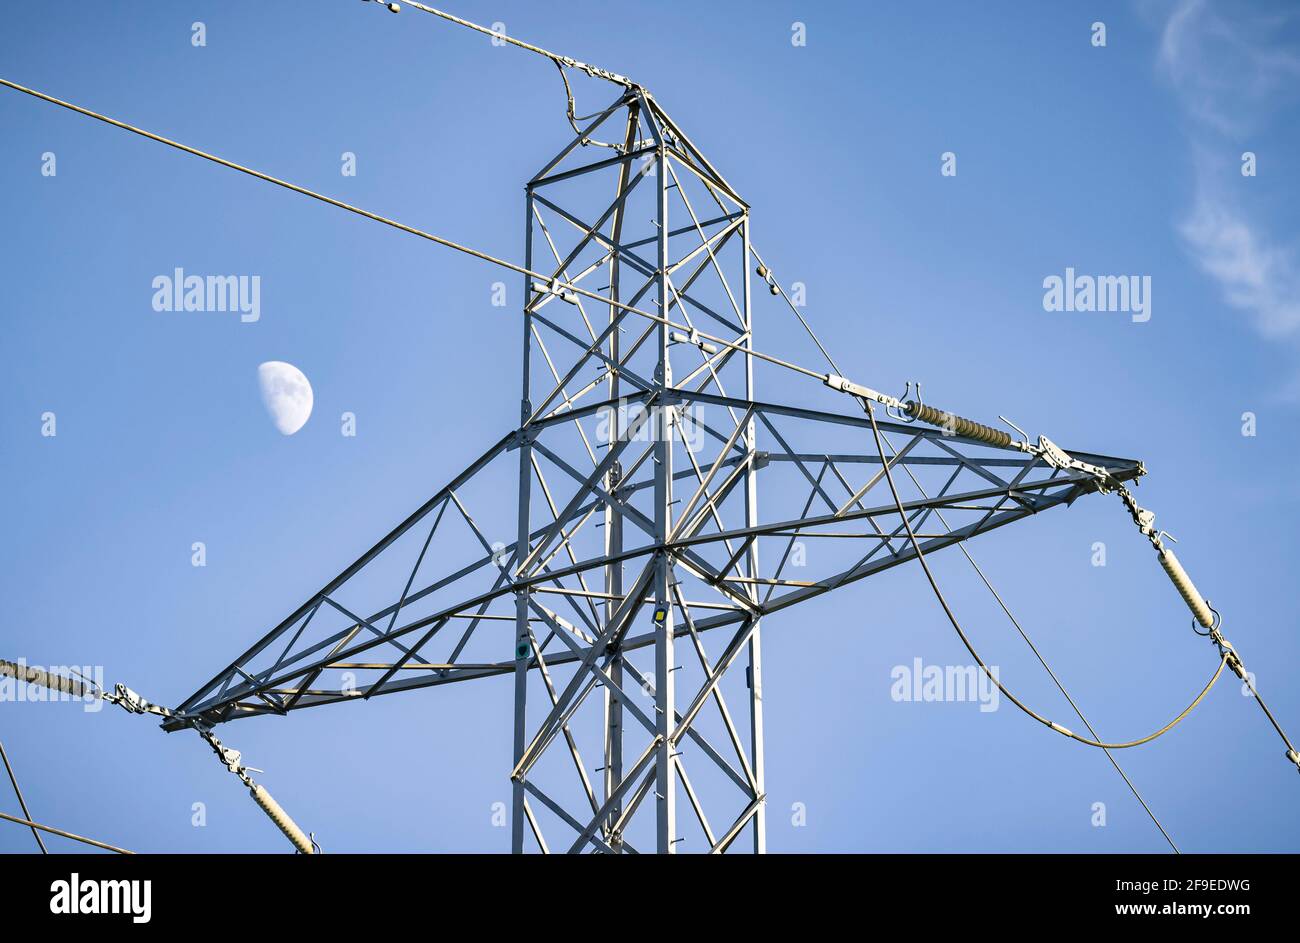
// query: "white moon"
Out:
[286,394]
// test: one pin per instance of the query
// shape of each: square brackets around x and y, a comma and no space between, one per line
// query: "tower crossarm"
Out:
[333,649]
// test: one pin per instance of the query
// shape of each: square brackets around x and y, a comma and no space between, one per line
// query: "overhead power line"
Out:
[980,572]
[555,283]
[943,602]
[562,61]
[22,803]
[60,832]
[672,143]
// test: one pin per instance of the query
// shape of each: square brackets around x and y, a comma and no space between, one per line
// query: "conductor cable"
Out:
[545,280]
[943,602]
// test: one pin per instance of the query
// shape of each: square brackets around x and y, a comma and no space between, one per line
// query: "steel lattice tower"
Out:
[638,528]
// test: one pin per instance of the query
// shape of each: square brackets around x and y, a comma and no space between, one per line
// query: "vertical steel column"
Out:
[751,520]
[665,706]
[613,664]
[523,643]
[613,515]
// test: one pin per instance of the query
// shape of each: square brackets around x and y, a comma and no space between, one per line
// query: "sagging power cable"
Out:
[1144,519]
[1225,650]
[1060,685]
[1204,614]
[570,112]
[765,272]
[1104,482]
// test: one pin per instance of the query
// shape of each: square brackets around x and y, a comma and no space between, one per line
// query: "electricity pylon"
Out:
[638,528]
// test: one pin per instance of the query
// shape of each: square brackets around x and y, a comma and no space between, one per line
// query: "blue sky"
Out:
[1122,159]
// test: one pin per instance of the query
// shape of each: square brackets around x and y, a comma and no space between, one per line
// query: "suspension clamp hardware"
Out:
[837,382]
[133,703]
[1057,457]
[231,758]
[128,700]
[1237,667]
[1229,653]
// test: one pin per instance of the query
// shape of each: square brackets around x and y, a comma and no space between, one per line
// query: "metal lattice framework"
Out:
[638,530]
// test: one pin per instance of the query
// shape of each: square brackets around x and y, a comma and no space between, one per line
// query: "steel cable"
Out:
[1041,660]
[943,602]
[62,834]
[996,595]
[22,803]
[547,280]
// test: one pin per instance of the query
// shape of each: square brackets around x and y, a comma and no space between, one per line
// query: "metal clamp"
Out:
[1057,457]
[1023,444]
[133,703]
[899,413]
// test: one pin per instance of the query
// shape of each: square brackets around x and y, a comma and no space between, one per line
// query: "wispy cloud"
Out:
[1255,275]
[1227,62]
[1233,71]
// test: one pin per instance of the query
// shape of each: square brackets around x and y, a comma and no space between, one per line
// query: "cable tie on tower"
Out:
[693,338]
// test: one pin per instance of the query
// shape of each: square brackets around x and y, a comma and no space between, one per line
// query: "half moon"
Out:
[287,395]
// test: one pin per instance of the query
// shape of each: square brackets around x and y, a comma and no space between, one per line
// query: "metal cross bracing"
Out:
[638,529]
